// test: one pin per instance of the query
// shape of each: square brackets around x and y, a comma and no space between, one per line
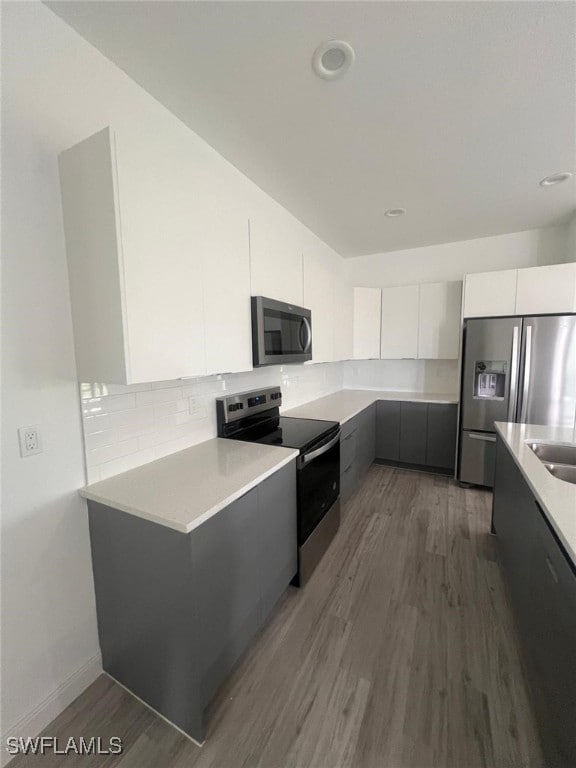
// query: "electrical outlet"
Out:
[30,442]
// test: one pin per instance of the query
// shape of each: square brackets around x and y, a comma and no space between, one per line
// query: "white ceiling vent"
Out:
[332,59]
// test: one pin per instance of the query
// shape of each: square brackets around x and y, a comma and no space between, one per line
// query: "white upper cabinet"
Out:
[367,309]
[343,315]
[226,283]
[143,232]
[439,321]
[490,294]
[400,312]
[276,248]
[319,272]
[543,290]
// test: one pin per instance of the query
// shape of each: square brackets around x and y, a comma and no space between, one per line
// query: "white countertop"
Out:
[556,497]
[345,404]
[184,489]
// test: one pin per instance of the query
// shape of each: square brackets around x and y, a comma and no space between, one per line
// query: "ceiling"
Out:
[452,110]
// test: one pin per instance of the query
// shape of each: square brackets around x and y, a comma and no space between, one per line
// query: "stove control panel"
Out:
[242,404]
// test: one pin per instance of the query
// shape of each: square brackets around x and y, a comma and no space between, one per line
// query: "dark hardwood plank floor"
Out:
[400,653]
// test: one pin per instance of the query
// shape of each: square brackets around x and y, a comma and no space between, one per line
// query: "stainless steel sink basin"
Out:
[555,453]
[562,472]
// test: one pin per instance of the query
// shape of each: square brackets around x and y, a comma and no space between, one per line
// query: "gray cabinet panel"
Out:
[348,482]
[147,620]
[278,534]
[513,522]
[413,426]
[441,435]
[551,641]
[366,438]
[388,430]
[542,585]
[348,445]
[225,553]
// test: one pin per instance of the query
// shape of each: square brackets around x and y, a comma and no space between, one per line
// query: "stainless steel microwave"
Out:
[281,333]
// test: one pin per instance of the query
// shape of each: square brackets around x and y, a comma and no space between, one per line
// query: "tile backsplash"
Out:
[127,426]
[437,376]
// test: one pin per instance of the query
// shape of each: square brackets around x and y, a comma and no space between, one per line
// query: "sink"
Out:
[555,453]
[562,472]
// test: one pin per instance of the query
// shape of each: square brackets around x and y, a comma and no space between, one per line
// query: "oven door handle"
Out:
[308,457]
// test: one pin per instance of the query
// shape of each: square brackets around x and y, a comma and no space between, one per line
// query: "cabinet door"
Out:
[513,521]
[388,430]
[400,308]
[226,263]
[551,641]
[367,307]
[319,264]
[413,428]
[162,223]
[441,435]
[490,294]
[366,438]
[226,562]
[276,247]
[546,290]
[439,321]
[278,534]
[343,314]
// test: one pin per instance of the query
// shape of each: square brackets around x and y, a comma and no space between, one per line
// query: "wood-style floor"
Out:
[400,653]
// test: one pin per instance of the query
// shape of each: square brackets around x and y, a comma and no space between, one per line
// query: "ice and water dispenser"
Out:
[490,379]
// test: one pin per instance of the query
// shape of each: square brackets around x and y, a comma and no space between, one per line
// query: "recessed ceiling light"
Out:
[332,59]
[392,213]
[556,178]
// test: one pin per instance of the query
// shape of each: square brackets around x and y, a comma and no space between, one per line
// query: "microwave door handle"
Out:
[306,325]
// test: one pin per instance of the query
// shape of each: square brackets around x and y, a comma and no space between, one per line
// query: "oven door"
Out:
[281,333]
[318,484]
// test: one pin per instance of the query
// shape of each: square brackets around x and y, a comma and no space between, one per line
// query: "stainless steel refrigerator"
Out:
[514,369]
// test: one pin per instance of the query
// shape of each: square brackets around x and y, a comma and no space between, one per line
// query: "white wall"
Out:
[57,90]
[451,261]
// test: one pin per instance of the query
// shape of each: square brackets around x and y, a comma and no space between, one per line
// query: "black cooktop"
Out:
[288,432]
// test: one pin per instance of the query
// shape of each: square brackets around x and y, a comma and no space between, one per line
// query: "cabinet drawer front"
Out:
[349,426]
[348,450]
[348,482]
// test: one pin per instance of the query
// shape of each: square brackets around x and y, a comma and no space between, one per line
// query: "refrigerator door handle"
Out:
[513,397]
[526,382]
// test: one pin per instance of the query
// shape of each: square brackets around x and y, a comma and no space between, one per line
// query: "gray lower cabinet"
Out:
[441,432]
[388,430]
[542,585]
[413,421]
[421,434]
[176,611]
[357,450]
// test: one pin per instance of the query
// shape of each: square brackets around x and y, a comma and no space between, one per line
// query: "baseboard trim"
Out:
[56,702]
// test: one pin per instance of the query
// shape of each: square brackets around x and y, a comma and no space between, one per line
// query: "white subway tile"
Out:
[109,452]
[155,396]
[124,463]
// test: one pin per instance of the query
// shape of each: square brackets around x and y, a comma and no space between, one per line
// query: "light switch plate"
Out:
[30,441]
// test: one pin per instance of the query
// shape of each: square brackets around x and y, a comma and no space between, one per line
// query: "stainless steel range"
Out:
[255,417]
